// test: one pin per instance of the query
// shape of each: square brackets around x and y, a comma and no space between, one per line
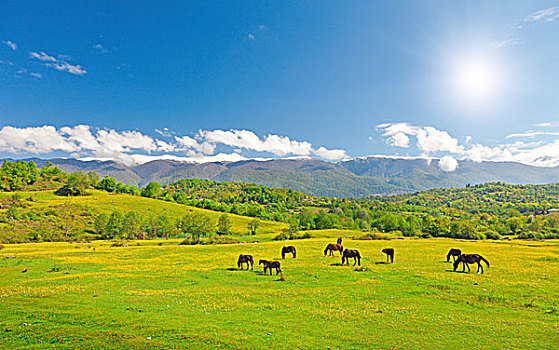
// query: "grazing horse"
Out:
[245,259]
[339,241]
[389,254]
[271,265]
[288,249]
[466,259]
[351,253]
[332,248]
[454,253]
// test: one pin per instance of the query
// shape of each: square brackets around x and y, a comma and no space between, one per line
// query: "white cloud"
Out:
[165,132]
[37,140]
[548,125]
[429,139]
[221,157]
[539,152]
[400,140]
[59,64]
[332,154]
[41,56]
[129,147]
[11,44]
[508,42]
[36,75]
[447,164]
[251,36]
[532,133]
[100,48]
[479,153]
[545,15]
[187,142]
[278,145]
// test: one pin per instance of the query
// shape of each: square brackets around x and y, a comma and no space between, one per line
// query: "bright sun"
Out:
[476,80]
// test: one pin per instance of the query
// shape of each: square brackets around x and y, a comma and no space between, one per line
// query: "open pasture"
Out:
[168,296]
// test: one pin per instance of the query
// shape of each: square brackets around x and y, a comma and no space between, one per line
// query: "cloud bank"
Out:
[133,147]
[431,141]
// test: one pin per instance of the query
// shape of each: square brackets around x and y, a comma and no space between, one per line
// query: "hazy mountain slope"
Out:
[353,178]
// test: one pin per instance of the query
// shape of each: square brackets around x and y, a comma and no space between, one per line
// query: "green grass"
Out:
[102,201]
[194,297]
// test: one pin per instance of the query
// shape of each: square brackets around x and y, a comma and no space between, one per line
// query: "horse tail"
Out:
[283,254]
[294,253]
[448,256]
[326,250]
[484,260]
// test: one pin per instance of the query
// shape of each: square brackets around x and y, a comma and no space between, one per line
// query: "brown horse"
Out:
[389,254]
[288,249]
[454,253]
[332,248]
[245,259]
[351,253]
[271,265]
[466,259]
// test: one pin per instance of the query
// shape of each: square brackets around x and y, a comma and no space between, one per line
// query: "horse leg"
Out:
[358,261]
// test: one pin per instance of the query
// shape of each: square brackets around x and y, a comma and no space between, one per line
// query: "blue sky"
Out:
[216,80]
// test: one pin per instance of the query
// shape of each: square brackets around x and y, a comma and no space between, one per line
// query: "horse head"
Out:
[262,262]
[456,263]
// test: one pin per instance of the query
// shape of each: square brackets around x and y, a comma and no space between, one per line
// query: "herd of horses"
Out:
[346,254]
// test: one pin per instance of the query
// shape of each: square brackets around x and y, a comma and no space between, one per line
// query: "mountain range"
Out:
[358,177]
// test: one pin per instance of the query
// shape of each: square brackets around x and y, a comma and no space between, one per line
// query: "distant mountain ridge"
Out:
[359,177]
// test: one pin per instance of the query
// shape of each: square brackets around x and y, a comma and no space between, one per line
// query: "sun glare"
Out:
[475,80]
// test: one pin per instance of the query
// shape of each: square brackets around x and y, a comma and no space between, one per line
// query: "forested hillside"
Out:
[493,210]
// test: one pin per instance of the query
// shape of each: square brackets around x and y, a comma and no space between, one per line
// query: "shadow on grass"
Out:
[381,263]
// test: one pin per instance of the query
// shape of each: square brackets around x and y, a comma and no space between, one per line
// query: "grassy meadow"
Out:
[151,296]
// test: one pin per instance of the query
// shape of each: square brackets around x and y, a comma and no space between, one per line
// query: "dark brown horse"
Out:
[245,259]
[332,248]
[351,253]
[454,253]
[389,254]
[271,265]
[466,259]
[288,249]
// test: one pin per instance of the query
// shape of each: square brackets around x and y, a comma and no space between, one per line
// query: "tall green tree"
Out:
[197,224]
[253,226]
[224,225]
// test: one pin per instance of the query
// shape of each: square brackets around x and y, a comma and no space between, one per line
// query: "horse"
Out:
[332,248]
[466,259]
[288,249]
[245,259]
[454,253]
[389,254]
[339,241]
[351,253]
[271,265]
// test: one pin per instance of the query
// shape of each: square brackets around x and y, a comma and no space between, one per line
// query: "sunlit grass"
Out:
[92,295]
